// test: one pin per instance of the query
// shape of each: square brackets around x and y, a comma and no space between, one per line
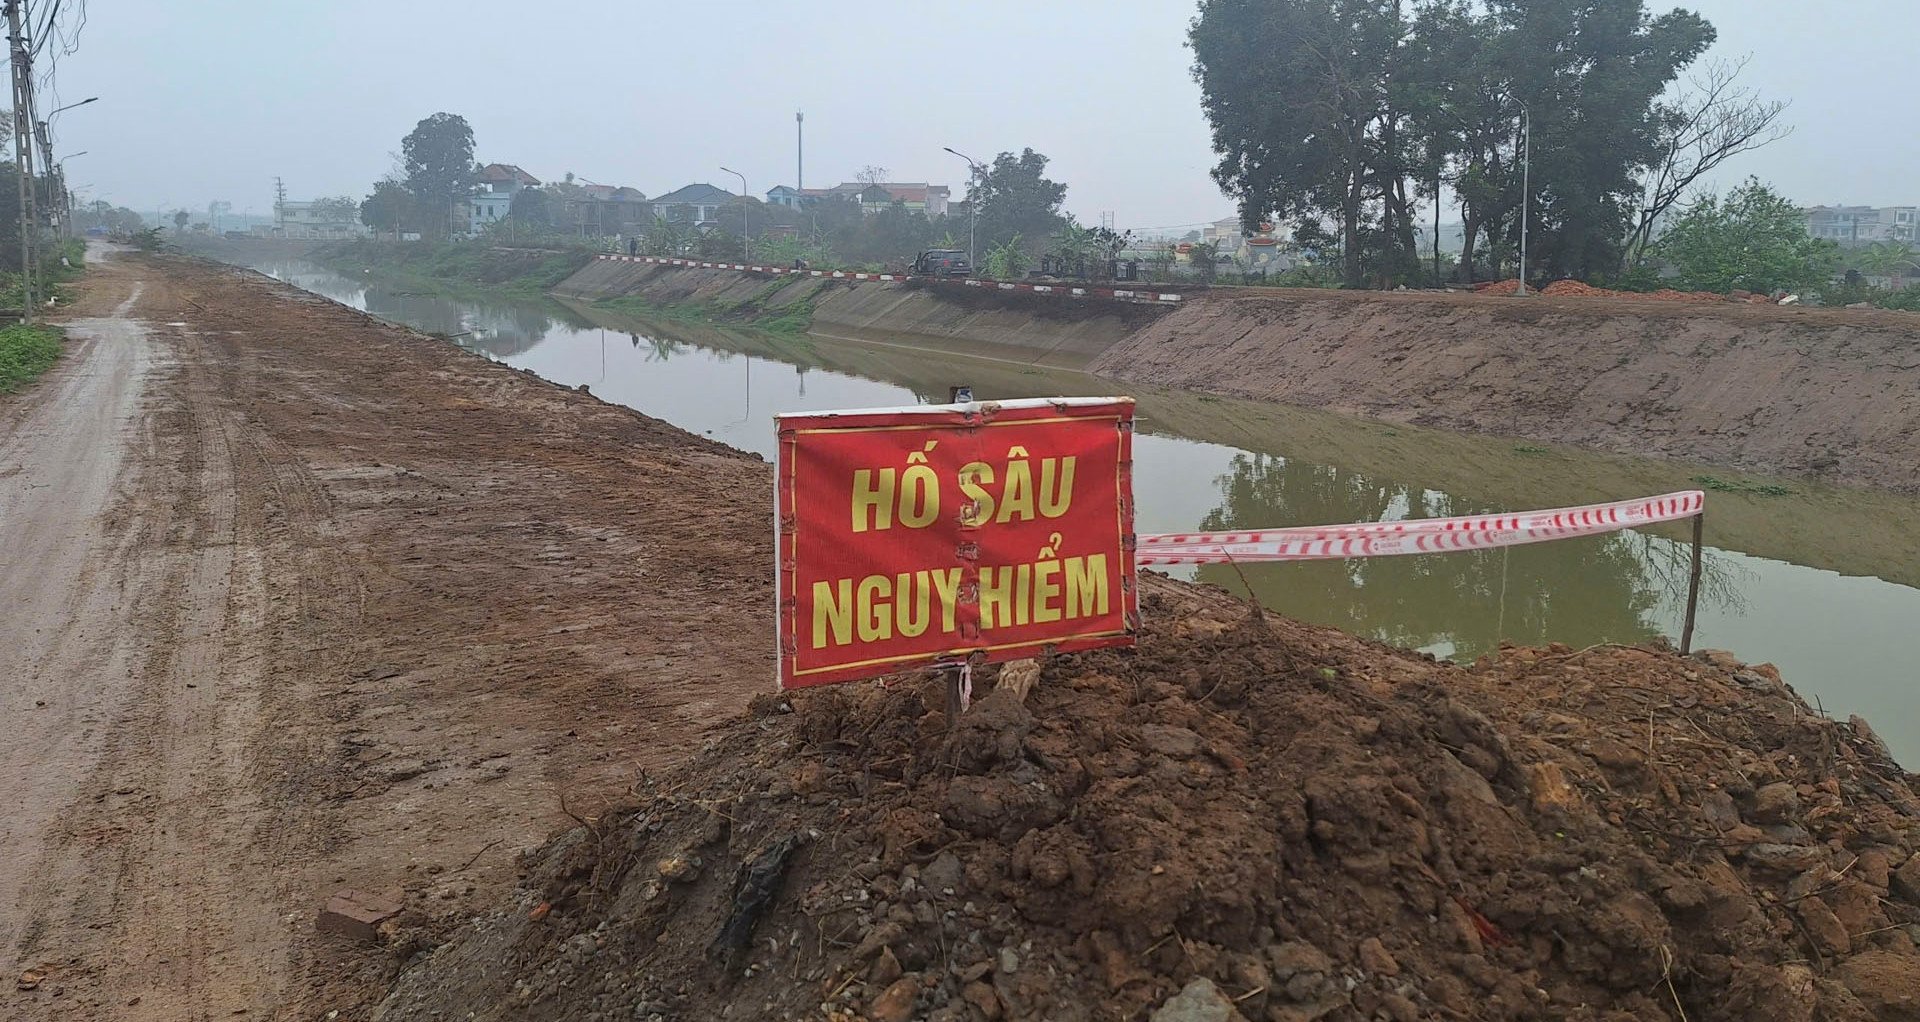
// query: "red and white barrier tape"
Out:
[1415,536]
[1124,294]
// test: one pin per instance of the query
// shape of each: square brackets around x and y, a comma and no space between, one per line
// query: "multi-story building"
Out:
[318,220]
[1864,225]
[494,189]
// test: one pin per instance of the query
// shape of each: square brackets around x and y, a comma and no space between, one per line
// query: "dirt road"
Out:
[300,601]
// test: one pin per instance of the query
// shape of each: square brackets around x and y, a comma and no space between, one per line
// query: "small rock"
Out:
[944,874]
[1297,956]
[1717,806]
[886,969]
[1009,961]
[1720,658]
[1375,958]
[1785,858]
[1906,880]
[1875,868]
[1172,742]
[680,868]
[1887,984]
[1199,1001]
[982,997]
[1775,803]
[1400,1008]
[356,914]
[895,1003]
[1824,926]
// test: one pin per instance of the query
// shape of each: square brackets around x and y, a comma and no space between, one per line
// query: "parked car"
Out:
[942,262]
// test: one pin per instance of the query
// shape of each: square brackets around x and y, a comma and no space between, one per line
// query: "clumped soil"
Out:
[1259,819]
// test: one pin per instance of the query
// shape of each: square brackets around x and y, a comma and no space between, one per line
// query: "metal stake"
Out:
[1693,586]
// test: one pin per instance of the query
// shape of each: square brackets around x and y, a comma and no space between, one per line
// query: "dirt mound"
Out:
[1580,289]
[1252,820]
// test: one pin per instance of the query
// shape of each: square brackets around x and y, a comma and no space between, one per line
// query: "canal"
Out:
[1820,582]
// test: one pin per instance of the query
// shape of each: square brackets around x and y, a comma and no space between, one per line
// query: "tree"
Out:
[337,207]
[1716,120]
[1293,91]
[1891,259]
[531,209]
[1753,240]
[438,157]
[1006,261]
[389,208]
[1336,116]
[180,218]
[1016,200]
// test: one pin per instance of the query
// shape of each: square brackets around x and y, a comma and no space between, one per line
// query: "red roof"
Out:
[501,173]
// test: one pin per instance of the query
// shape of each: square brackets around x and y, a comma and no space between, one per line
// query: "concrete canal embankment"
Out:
[1827,393]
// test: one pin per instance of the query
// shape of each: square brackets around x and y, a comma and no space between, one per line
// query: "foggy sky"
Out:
[211,99]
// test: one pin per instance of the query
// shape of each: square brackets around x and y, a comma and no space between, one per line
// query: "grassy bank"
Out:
[26,352]
[455,266]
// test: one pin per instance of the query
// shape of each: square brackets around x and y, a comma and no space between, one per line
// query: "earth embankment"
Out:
[1833,393]
[1827,393]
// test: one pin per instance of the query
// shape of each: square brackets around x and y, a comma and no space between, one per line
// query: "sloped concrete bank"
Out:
[1829,393]
[1036,329]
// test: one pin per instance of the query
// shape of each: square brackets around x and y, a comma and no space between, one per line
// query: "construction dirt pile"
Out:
[1578,289]
[1241,819]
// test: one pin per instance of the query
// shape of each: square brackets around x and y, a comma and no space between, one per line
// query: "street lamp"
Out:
[746,240]
[57,110]
[1526,184]
[973,208]
[66,194]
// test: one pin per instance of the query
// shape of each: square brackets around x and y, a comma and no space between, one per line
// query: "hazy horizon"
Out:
[214,101]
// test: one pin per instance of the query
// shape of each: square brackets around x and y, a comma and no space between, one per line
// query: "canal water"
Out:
[1820,582]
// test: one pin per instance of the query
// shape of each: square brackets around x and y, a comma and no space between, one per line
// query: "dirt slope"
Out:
[1829,392]
[1268,821]
[303,601]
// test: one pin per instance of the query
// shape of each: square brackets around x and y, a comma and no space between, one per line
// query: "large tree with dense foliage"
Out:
[389,208]
[1754,239]
[1340,116]
[1015,199]
[438,158]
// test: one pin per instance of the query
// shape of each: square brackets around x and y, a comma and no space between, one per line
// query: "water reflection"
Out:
[1824,589]
[1610,588]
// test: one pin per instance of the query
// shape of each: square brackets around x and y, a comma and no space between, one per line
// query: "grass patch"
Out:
[457,266]
[1742,486]
[1529,449]
[26,352]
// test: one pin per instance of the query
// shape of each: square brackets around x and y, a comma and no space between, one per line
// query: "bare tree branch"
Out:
[1716,120]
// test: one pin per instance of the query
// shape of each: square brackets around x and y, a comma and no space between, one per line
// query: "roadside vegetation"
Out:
[452,265]
[26,352]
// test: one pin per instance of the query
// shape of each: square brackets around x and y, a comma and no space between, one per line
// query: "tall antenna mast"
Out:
[799,150]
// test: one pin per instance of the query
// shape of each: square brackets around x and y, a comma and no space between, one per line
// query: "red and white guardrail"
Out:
[1415,536]
[1072,291]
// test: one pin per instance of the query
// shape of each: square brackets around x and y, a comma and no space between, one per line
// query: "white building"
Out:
[318,220]
[494,190]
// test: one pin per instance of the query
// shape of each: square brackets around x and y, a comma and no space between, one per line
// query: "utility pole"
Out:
[279,204]
[1526,185]
[23,128]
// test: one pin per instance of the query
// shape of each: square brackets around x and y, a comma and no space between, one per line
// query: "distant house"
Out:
[1863,225]
[325,219]
[919,196]
[602,211]
[494,189]
[698,204]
